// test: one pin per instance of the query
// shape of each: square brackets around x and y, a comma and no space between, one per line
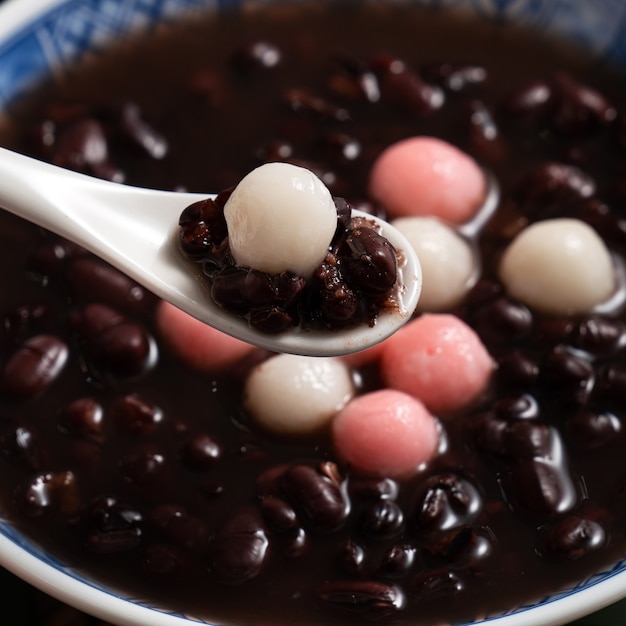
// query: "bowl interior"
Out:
[40,39]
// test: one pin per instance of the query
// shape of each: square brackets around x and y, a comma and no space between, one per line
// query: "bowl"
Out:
[39,39]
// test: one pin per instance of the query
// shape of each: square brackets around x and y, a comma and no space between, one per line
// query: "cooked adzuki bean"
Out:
[483,133]
[128,120]
[553,183]
[351,557]
[609,225]
[502,321]
[397,561]
[110,526]
[52,490]
[404,88]
[82,146]
[92,320]
[200,452]
[92,280]
[362,596]
[50,259]
[241,289]
[455,76]
[540,486]
[239,549]
[302,102]
[203,228]
[113,541]
[530,100]
[113,344]
[346,146]
[339,302]
[180,527]
[610,387]
[574,537]
[437,584]
[257,56]
[460,546]
[23,445]
[34,365]
[445,501]
[18,324]
[580,108]
[383,518]
[275,151]
[369,261]
[297,543]
[517,370]
[488,433]
[368,488]
[278,514]
[317,495]
[589,429]
[552,332]
[136,415]
[599,335]
[354,79]
[142,465]
[569,376]
[526,440]
[83,417]
[516,407]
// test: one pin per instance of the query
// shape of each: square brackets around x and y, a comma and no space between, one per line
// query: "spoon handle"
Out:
[96,214]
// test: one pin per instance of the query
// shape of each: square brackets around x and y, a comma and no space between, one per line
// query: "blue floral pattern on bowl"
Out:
[75,27]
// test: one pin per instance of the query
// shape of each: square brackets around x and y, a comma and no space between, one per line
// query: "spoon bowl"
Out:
[136,230]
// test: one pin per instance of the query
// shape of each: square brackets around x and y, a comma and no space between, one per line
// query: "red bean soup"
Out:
[140,461]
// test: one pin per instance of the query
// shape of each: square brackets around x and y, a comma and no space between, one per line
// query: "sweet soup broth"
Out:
[126,462]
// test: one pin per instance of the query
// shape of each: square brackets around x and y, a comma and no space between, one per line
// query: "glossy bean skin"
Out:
[114,344]
[364,596]
[35,365]
[319,497]
[239,549]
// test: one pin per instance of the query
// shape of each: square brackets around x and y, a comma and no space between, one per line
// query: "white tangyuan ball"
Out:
[558,266]
[297,395]
[280,218]
[448,261]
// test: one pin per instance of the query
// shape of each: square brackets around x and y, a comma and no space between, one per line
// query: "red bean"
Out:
[136,415]
[84,417]
[92,280]
[57,491]
[200,452]
[319,498]
[239,548]
[574,537]
[35,365]
[364,596]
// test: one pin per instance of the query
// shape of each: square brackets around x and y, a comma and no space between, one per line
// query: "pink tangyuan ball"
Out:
[438,359]
[425,176]
[200,346]
[385,433]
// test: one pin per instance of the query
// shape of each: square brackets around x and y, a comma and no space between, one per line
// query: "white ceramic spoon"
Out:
[136,230]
